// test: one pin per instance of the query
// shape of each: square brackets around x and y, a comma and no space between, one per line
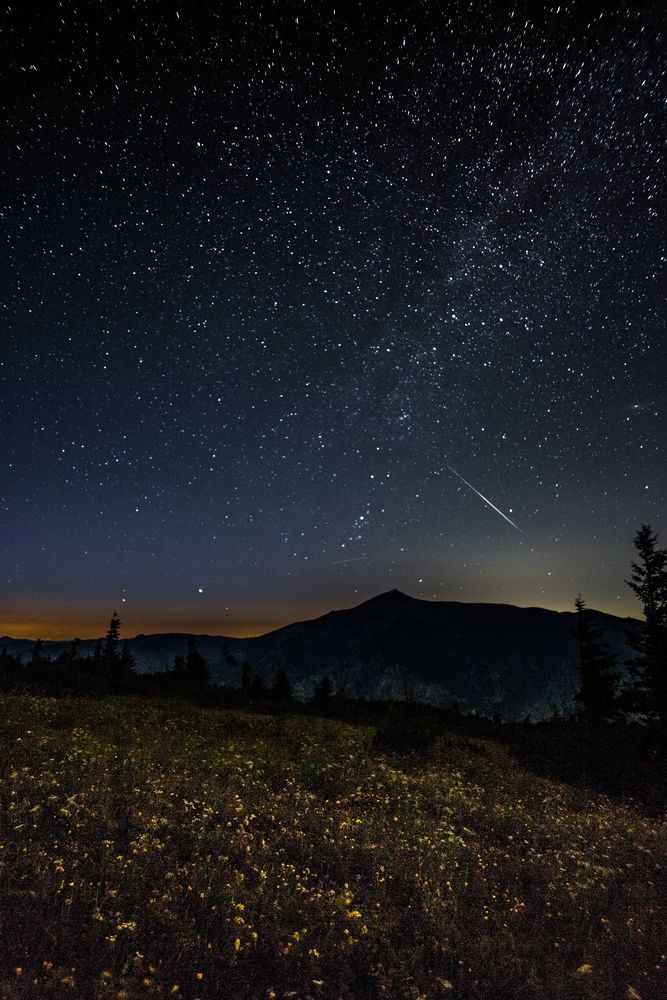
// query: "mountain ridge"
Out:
[479,657]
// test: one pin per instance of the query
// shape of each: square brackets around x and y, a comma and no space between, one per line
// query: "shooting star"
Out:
[339,562]
[485,499]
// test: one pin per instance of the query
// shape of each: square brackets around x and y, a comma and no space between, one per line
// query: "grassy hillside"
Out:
[153,848]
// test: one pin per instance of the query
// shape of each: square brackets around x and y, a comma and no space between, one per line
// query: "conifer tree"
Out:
[648,580]
[110,654]
[596,695]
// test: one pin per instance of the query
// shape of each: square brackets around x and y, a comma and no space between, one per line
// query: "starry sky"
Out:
[281,279]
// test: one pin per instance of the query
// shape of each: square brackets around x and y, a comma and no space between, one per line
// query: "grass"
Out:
[155,848]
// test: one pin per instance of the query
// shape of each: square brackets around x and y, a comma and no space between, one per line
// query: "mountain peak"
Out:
[391,597]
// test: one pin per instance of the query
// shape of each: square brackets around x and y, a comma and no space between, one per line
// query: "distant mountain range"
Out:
[488,658]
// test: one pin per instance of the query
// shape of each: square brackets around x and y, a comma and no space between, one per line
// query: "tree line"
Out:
[111,669]
[606,693]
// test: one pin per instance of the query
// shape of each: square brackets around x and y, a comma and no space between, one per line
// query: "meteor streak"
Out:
[485,499]
[335,562]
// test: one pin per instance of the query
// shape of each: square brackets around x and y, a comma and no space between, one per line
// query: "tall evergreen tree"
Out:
[596,695]
[110,652]
[116,663]
[648,580]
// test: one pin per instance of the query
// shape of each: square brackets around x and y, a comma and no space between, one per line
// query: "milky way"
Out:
[271,269]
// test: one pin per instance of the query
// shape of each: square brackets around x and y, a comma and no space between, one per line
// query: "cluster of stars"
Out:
[271,271]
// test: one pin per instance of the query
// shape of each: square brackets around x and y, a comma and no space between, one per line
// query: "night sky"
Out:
[276,275]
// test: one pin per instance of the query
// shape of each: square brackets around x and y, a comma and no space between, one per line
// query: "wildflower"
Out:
[127,925]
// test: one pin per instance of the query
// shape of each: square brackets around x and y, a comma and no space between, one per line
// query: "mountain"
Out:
[488,658]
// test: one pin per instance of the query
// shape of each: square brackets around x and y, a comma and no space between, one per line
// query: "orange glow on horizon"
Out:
[48,630]
[66,624]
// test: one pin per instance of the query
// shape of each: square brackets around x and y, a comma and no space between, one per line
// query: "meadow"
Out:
[160,848]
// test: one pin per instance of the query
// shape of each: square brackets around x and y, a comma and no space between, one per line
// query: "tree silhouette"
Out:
[117,665]
[110,654]
[596,695]
[648,580]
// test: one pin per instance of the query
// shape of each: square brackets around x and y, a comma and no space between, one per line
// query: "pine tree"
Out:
[116,664]
[110,654]
[596,695]
[648,580]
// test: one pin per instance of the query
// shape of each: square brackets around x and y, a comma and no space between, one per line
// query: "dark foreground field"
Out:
[158,848]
